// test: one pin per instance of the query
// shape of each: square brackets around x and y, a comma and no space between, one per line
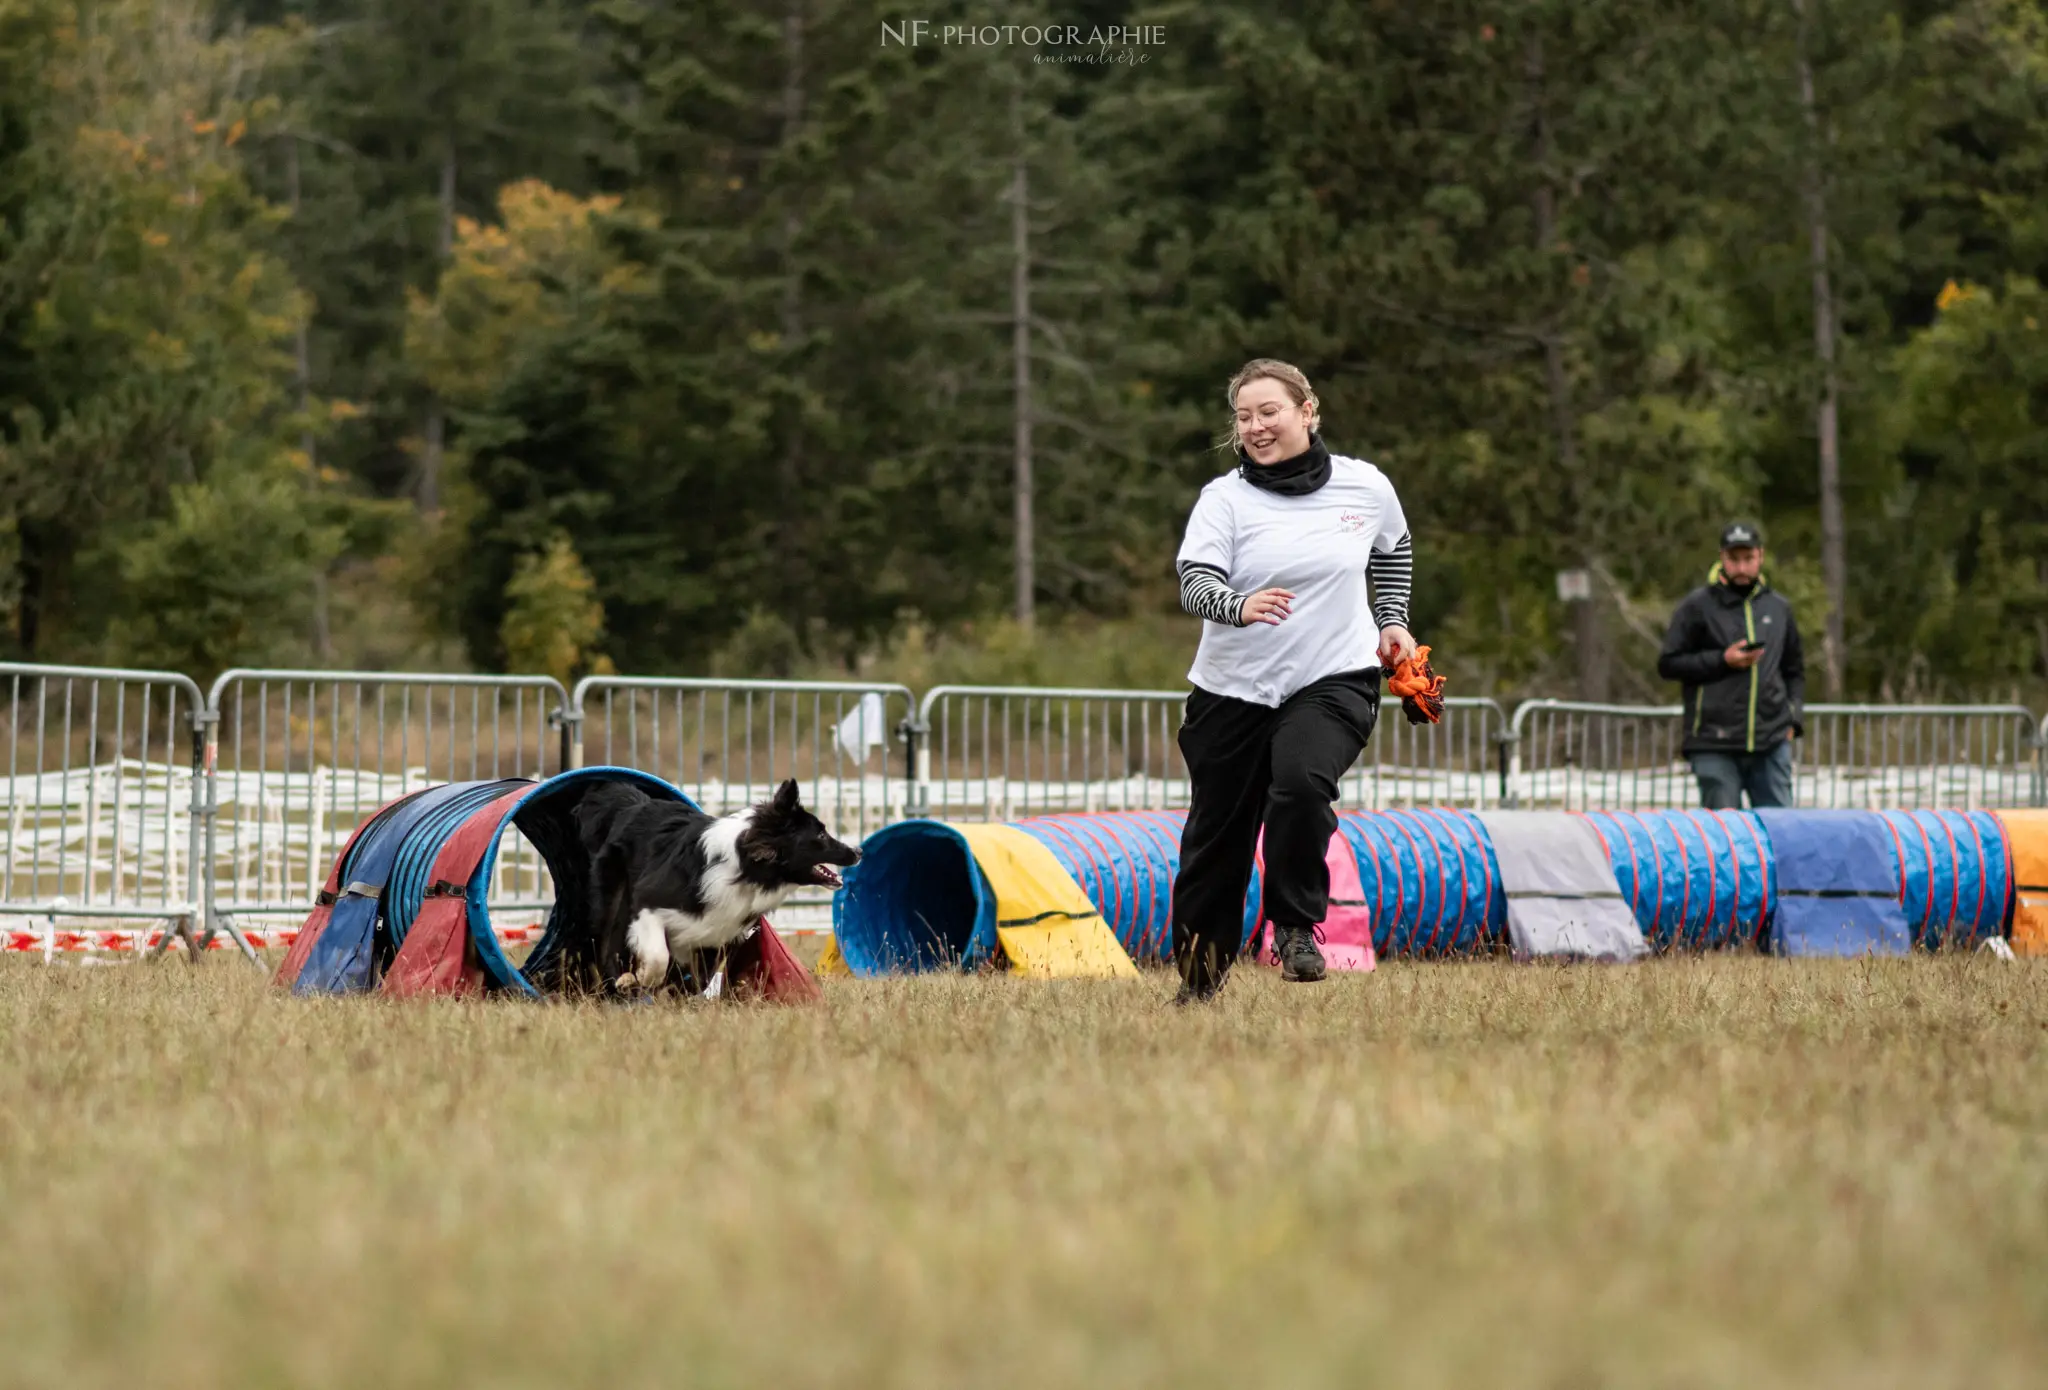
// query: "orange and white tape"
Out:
[144,939]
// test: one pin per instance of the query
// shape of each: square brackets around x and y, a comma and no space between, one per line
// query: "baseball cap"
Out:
[1740,534]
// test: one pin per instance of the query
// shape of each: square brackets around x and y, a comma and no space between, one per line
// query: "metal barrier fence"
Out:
[104,788]
[1627,757]
[131,797]
[1004,752]
[728,744]
[298,759]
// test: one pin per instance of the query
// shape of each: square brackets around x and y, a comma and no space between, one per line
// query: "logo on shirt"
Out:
[1352,523]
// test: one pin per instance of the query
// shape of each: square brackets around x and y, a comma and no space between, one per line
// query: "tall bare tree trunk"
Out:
[1020,310]
[790,524]
[429,496]
[1834,566]
[302,368]
[1590,635]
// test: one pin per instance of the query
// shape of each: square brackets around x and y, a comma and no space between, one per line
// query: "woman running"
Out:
[1287,678]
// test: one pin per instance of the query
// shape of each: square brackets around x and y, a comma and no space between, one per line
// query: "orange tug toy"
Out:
[1421,689]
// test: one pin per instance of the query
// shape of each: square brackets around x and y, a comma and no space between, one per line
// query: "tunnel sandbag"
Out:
[1696,880]
[2026,836]
[1046,925]
[1837,881]
[1344,936]
[831,962]
[1429,880]
[1562,897]
[1955,875]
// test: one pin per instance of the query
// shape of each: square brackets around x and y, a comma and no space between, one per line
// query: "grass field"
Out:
[1688,1173]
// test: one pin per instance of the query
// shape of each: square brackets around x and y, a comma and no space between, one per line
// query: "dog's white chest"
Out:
[724,921]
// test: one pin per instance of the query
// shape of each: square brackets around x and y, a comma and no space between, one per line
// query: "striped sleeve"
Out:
[1392,573]
[1204,594]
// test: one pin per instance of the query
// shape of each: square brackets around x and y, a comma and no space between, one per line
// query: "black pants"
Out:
[1252,766]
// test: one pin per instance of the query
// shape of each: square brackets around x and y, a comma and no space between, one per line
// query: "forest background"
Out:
[787,338]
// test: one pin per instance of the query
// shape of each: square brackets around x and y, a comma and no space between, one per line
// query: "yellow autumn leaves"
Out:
[513,283]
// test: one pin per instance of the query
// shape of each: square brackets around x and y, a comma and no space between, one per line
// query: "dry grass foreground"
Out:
[1688,1173]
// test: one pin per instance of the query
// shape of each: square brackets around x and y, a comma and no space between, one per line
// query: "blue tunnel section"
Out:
[1696,880]
[1125,861]
[1955,875]
[916,902]
[1431,881]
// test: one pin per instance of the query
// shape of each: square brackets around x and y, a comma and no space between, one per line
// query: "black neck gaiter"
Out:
[1295,477]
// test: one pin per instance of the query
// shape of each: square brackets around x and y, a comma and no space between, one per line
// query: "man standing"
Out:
[1734,646]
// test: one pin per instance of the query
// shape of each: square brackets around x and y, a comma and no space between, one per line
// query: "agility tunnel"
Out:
[1430,882]
[2027,840]
[932,896]
[1955,875]
[1695,880]
[1125,861]
[405,910]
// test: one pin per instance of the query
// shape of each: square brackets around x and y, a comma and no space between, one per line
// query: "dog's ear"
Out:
[786,797]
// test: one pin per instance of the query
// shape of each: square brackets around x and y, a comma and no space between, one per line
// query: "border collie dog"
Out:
[667,880]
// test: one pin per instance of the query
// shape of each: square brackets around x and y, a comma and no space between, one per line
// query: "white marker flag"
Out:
[862,730]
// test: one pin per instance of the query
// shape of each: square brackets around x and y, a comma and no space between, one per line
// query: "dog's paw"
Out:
[648,945]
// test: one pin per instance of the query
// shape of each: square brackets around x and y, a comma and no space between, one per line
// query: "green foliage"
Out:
[239,551]
[552,623]
[143,339]
[1971,416]
[386,104]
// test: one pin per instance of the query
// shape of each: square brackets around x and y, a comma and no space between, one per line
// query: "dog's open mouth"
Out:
[828,876]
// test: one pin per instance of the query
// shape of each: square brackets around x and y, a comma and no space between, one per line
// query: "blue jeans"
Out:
[1766,775]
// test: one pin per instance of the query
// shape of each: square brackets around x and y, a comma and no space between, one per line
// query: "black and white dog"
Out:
[667,881]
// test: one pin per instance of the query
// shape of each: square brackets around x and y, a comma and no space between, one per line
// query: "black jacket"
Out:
[1729,710]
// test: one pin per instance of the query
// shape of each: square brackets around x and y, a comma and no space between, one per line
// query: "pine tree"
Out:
[401,118]
[142,327]
[1466,223]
